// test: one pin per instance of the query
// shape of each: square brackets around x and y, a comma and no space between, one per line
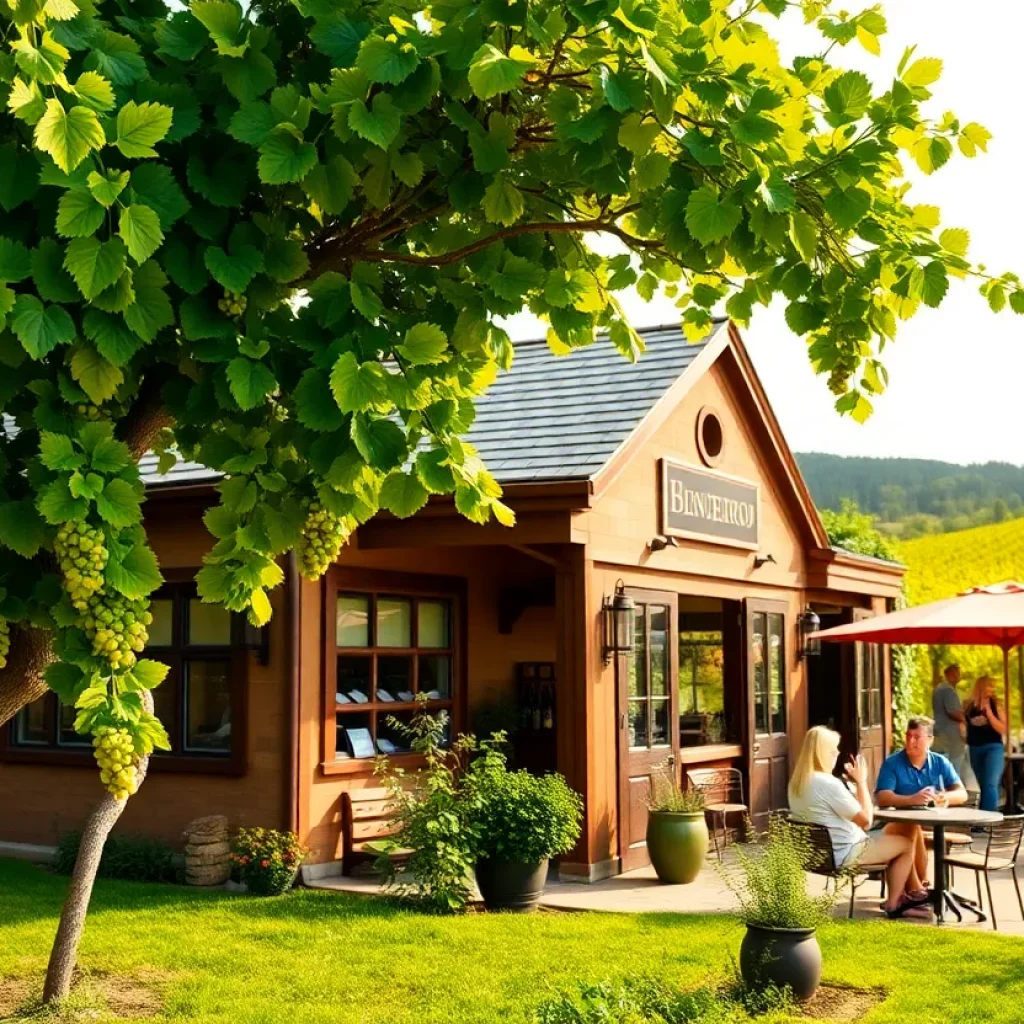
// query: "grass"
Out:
[326,958]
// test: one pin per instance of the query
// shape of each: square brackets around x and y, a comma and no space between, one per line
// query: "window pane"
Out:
[354,675]
[659,650]
[394,677]
[208,624]
[701,688]
[760,674]
[638,659]
[659,723]
[394,622]
[160,629]
[436,675]
[432,623]
[67,737]
[31,724]
[353,620]
[208,706]
[638,723]
[777,673]
[355,735]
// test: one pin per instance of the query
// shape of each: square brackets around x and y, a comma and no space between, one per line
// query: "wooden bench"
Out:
[364,822]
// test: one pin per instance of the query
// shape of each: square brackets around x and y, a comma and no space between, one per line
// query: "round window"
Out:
[710,440]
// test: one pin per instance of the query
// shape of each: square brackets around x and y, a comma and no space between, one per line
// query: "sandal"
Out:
[917,911]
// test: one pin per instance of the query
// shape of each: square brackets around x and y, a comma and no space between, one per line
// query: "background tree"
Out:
[173,179]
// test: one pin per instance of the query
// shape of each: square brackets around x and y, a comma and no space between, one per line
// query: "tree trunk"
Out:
[64,954]
[22,682]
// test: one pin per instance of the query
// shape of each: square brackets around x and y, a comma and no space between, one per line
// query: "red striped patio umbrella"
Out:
[992,615]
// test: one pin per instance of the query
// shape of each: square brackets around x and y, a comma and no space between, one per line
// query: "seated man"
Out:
[912,777]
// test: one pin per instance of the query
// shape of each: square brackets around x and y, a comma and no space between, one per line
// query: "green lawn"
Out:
[326,958]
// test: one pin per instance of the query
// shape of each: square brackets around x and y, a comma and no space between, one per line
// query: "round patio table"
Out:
[937,819]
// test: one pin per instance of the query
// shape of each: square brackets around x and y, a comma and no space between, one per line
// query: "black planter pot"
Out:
[510,884]
[783,957]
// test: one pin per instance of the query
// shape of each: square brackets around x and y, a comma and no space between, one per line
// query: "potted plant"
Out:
[780,948]
[519,821]
[677,834]
[267,861]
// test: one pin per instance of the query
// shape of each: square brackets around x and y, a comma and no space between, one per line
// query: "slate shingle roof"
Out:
[550,418]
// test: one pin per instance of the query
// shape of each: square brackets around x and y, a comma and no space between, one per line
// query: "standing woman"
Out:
[986,727]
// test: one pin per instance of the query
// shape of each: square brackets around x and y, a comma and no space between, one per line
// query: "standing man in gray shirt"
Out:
[949,719]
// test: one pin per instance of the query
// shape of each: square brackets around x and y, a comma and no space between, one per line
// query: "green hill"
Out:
[945,565]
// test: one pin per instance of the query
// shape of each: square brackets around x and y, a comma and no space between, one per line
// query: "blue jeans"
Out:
[987,762]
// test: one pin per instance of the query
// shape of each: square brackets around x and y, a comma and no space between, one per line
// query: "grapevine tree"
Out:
[278,239]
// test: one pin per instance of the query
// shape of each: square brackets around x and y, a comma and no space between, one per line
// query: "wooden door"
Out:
[768,707]
[648,714]
[869,675]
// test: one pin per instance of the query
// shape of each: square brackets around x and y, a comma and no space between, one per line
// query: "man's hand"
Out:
[924,796]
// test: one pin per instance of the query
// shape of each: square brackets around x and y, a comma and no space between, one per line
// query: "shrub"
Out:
[516,815]
[770,881]
[267,860]
[642,1000]
[431,815]
[128,857]
[666,794]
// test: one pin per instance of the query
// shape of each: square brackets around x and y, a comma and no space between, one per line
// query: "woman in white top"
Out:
[818,797]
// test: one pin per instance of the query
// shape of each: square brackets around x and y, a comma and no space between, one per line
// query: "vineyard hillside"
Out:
[944,565]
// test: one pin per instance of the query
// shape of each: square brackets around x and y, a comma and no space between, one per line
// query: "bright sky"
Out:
[957,373]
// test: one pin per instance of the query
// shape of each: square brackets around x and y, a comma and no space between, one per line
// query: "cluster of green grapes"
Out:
[117,627]
[82,555]
[89,411]
[845,367]
[322,536]
[5,642]
[233,303]
[115,754]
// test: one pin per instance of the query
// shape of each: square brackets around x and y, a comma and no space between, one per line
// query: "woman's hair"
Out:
[816,755]
[981,685]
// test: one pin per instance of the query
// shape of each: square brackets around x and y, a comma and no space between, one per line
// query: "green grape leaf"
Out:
[225,23]
[106,188]
[491,72]
[503,202]
[95,92]
[44,63]
[112,338]
[57,505]
[20,180]
[804,234]
[329,184]
[57,451]
[936,282]
[98,378]
[181,36]
[95,265]
[152,310]
[21,528]
[403,495]
[379,124]
[119,505]
[253,122]
[140,126]
[366,300]
[380,441]
[357,386]
[433,471]
[116,57]
[424,344]
[250,382]
[69,136]
[285,260]
[51,280]
[709,218]
[315,406]
[154,186]
[139,227]
[284,157]
[848,208]
[182,266]
[39,328]
[388,61]
[78,214]
[339,38]
[66,680]
[236,271]
[15,261]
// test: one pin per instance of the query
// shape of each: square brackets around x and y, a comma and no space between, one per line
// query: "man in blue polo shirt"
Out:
[911,777]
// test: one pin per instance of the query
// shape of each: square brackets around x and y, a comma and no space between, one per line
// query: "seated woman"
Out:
[818,797]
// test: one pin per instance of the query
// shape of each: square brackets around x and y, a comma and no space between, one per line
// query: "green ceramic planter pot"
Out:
[677,844]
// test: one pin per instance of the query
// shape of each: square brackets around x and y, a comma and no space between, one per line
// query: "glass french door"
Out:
[768,742]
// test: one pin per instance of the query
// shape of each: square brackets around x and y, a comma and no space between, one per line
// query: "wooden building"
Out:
[667,482]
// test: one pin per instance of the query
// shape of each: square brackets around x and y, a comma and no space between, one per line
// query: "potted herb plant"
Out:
[780,948]
[677,834]
[519,822]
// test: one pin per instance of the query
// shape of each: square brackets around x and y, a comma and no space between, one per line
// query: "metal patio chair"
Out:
[824,861]
[723,795]
[1001,842]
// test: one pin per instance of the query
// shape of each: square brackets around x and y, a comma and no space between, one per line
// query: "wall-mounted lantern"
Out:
[808,624]
[618,622]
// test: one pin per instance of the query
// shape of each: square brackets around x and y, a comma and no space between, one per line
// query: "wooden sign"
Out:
[701,505]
